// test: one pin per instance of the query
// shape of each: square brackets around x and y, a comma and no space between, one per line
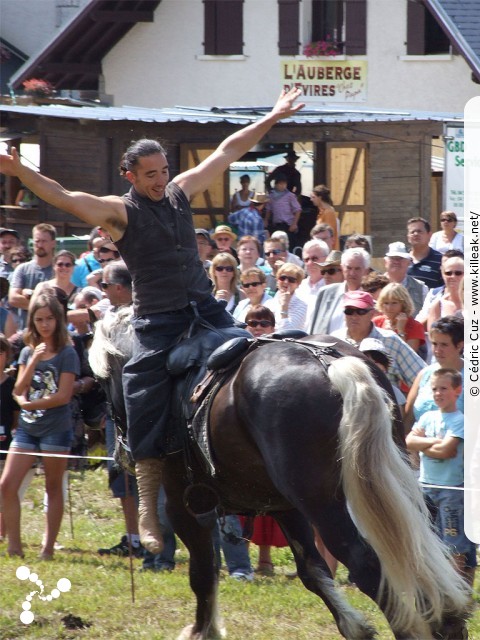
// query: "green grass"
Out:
[101,591]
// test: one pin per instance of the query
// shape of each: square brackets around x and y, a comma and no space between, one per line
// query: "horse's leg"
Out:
[344,541]
[202,571]
[315,575]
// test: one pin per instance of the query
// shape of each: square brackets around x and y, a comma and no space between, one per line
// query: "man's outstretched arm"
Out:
[199,178]
[108,212]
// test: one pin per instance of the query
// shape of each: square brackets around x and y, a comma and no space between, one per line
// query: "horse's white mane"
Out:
[113,336]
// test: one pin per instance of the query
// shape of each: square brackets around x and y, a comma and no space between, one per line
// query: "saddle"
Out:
[220,365]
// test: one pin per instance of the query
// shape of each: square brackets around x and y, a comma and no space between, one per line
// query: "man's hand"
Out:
[10,165]
[285,106]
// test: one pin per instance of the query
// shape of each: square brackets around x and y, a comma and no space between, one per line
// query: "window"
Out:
[223,27]
[424,34]
[343,22]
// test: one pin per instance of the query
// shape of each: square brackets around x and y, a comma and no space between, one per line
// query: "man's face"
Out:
[326,237]
[274,253]
[359,324]
[417,235]
[204,247]
[280,186]
[43,244]
[223,242]
[353,272]
[397,267]
[312,257]
[150,176]
[332,274]
[8,242]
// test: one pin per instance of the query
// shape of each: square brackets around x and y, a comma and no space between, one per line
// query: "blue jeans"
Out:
[146,383]
[449,508]
[165,559]
[236,555]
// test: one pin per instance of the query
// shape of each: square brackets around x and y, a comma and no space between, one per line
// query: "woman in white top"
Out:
[290,312]
[447,238]
[450,303]
[224,274]
[253,284]
[241,198]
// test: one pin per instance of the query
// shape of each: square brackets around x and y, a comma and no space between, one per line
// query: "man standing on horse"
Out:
[152,227]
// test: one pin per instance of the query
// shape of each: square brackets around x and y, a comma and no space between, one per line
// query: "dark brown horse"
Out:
[310,442]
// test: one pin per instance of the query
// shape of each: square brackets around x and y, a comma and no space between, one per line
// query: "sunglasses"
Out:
[247,285]
[454,273]
[64,264]
[290,279]
[103,260]
[273,252]
[105,250]
[447,219]
[331,271]
[223,239]
[261,323]
[15,260]
[351,311]
[105,285]
[220,268]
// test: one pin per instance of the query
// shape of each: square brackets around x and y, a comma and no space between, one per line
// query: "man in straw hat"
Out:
[152,227]
[248,220]
[224,238]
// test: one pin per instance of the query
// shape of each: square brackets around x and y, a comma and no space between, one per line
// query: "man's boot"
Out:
[149,481]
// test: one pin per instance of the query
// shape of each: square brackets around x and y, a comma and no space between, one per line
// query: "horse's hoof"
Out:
[188,634]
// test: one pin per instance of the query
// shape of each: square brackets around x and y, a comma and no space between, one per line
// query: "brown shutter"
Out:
[415,29]
[356,27]
[223,27]
[288,27]
[210,26]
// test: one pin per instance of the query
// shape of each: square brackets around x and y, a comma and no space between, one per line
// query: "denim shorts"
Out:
[449,507]
[61,441]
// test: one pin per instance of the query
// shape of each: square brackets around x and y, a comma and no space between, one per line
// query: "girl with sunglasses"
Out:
[290,312]
[61,283]
[450,302]
[254,285]
[447,238]
[224,274]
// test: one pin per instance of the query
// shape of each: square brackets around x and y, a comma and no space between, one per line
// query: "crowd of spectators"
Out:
[266,282]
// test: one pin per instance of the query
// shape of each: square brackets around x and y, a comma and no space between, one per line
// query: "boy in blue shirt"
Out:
[438,437]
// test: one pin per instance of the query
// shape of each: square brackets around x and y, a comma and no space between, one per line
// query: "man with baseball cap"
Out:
[359,309]
[9,240]
[397,261]
[248,220]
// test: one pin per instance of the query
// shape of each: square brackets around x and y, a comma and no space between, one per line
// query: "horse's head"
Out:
[110,350]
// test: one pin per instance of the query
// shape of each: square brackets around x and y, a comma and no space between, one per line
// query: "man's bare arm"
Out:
[108,212]
[199,178]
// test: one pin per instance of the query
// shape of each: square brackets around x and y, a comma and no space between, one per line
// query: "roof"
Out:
[460,19]
[233,115]
[73,57]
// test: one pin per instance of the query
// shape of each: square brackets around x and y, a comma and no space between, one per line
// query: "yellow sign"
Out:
[327,80]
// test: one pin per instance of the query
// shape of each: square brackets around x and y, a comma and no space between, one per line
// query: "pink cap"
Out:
[359,299]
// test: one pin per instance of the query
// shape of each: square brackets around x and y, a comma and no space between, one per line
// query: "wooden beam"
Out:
[122,16]
[73,68]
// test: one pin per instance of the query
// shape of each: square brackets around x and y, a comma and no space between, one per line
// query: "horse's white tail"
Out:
[388,506]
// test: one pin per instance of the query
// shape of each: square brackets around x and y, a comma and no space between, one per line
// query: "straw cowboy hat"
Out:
[259,198]
[225,230]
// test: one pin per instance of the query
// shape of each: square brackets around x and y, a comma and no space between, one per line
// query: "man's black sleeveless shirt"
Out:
[159,248]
